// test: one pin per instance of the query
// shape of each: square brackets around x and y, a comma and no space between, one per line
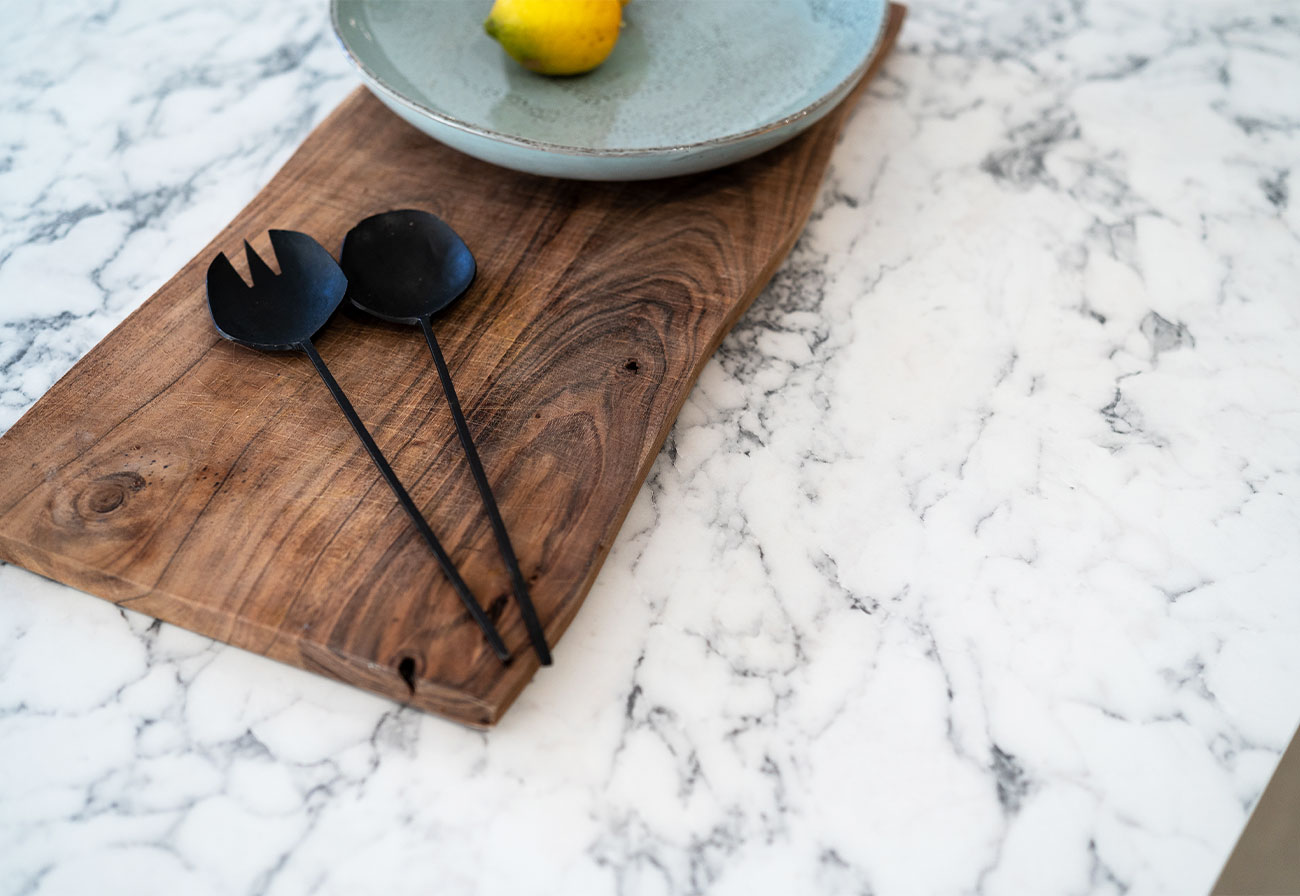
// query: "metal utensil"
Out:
[404,267]
[282,313]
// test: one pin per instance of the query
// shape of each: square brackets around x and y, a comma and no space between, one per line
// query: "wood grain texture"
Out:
[220,489]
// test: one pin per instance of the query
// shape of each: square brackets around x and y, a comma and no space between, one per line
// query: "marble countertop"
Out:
[969,567]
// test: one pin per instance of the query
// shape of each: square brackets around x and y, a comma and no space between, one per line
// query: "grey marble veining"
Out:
[128,130]
[969,566]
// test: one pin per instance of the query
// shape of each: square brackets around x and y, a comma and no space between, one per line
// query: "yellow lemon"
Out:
[556,37]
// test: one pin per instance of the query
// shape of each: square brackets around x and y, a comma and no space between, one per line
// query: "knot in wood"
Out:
[108,493]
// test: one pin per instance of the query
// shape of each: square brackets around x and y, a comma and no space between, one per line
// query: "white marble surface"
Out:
[970,567]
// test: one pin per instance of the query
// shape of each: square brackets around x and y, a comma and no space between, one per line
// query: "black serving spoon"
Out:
[281,313]
[404,267]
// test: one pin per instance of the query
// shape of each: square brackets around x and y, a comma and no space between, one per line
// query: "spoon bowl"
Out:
[405,265]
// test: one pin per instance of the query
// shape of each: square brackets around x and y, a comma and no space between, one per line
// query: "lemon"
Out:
[556,37]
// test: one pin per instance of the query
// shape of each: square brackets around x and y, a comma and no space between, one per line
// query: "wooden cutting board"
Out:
[220,489]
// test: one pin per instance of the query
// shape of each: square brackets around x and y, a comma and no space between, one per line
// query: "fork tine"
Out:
[282,246]
[260,270]
[223,276]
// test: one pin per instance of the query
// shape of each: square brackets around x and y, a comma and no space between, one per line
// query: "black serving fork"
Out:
[282,312]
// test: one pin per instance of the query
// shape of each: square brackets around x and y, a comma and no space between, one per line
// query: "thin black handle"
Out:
[448,568]
[517,583]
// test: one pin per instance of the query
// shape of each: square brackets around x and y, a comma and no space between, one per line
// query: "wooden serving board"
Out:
[220,489]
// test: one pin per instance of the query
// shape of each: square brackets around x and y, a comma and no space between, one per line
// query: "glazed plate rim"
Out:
[828,97]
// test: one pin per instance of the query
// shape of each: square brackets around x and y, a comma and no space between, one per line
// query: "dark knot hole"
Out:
[406,669]
[108,493]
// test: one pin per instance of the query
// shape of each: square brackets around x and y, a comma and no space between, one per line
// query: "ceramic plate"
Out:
[691,84]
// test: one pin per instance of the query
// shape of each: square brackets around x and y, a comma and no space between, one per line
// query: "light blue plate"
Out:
[691,85]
